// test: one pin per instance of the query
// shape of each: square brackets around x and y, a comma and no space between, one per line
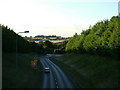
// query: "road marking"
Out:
[56,83]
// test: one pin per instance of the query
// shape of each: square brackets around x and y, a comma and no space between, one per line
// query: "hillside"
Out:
[89,71]
[23,76]
[16,66]
[92,57]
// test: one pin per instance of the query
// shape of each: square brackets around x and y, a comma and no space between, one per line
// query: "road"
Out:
[56,78]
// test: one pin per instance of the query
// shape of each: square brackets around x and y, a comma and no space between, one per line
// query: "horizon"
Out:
[60,18]
[48,35]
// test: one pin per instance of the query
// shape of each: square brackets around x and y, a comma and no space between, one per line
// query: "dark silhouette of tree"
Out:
[9,42]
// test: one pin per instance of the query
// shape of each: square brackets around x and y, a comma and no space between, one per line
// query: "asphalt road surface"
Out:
[56,78]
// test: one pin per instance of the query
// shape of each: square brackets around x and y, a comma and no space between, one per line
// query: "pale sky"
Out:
[55,17]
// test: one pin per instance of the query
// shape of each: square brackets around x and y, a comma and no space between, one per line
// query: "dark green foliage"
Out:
[48,46]
[53,48]
[90,71]
[40,49]
[72,44]
[102,39]
[10,39]
[8,42]
[59,48]
[22,77]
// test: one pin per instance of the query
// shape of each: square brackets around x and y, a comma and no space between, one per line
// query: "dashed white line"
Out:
[56,83]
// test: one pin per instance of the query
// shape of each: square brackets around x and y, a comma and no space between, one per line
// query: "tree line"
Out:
[10,39]
[103,38]
[53,48]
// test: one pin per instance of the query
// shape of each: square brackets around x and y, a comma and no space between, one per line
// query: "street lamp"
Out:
[24,32]
[17,47]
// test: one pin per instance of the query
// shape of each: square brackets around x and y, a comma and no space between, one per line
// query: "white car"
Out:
[47,70]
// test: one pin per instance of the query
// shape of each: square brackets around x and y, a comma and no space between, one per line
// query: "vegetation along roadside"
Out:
[23,76]
[92,57]
[89,71]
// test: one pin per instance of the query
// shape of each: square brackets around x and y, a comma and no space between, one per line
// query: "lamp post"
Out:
[17,47]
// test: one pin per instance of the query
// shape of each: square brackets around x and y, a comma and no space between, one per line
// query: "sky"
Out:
[55,17]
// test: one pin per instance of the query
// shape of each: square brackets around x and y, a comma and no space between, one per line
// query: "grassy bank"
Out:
[22,77]
[89,71]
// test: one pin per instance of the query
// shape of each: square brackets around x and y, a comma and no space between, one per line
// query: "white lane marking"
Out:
[56,83]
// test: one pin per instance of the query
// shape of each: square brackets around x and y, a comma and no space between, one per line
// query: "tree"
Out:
[9,42]
[48,47]
[102,39]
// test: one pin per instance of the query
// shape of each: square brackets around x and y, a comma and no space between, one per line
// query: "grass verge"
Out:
[89,71]
[23,76]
